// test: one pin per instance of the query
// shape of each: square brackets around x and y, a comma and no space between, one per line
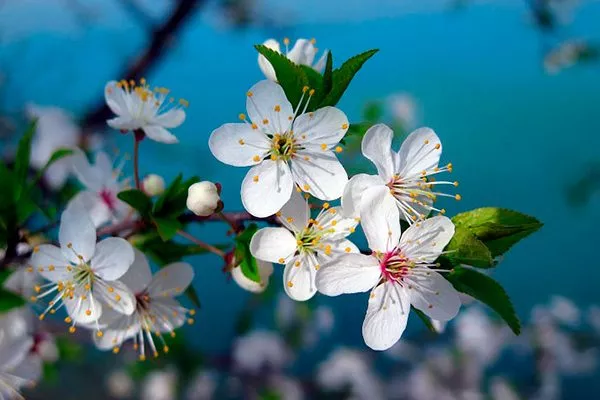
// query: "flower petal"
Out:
[172,314]
[433,294]
[116,295]
[159,134]
[337,248]
[303,52]
[90,177]
[295,214]
[170,119]
[320,65]
[266,188]
[238,145]
[171,280]
[320,173]
[50,262]
[377,147]
[418,152]
[299,278]
[83,308]
[138,276]
[97,209]
[117,333]
[123,123]
[386,318]
[326,126]
[349,273]
[264,64]
[425,241]
[265,270]
[115,98]
[380,219]
[77,234]
[334,225]
[113,258]
[275,245]
[354,191]
[269,108]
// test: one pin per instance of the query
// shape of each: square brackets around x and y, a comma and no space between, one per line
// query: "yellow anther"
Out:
[72,329]
[166,349]
[326,205]
[281,260]
[192,312]
[116,350]
[290,219]
[111,289]
[347,249]
[41,317]
[344,126]
[426,141]
[277,108]
[352,230]
[278,214]
[323,146]
[241,141]
[242,116]
[443,211]
[317,267]
[437,146]
[68,320]
[142,357]
[51,268]
[41,269]
[273,157]
[254,126]
[458,197]
[118,298]
[87,286]
[328,250]
[36,249]
[311,92]
[306,158]
[256,158]
[265,121]
[99,333]
[290,284]
[455,183]
[190,321]
[173,334]
[313,41]
[332,211]
[30,269]
[37,288]
[88,312]
[184,102]
[297,264]
[306,186]
[338,149]
[255,178]
[69,245]
[305,89]
[249,94]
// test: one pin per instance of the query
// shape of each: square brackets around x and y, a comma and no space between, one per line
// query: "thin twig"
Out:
[200,243]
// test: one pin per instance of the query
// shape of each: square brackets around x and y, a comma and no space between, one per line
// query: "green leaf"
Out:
[24,153]
[25,207]
[137,200]
[9,300]
[191,294]
[465,248]
[167,228]
[290,76]
[247,262]
[426,320]
[328,74]
[57,155]
[315,81]
[498,228]
[344,75]
[169,192]
[9,188]
[69,350]
[373,111]
[486,290]
[171,204]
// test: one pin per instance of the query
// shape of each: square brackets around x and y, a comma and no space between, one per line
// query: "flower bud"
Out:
[153,185]
[203,198]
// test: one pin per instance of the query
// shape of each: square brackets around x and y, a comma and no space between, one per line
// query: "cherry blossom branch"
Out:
[202,244]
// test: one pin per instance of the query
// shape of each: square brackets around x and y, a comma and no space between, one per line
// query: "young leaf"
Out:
[290,76]
[9,300]
[167,228]
[168,193]
[315,81]
[344,75]
[191,294]
[486,290]
[465,248]
[498,228]
[328,74]
[425,319]
[247,263]
[24,154]
[137,199]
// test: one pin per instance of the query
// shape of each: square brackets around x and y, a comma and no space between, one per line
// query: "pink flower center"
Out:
[395,265]
[108,198]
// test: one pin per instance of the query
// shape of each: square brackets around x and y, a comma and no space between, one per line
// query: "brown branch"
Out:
[161,39]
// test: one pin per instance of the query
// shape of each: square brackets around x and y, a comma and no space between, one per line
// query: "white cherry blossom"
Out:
[259,350]
[408,175]
[303,244]
[156,310]
[138,107]
[265,270]
[399,272]
[303,53]
[284,147]
[82,273]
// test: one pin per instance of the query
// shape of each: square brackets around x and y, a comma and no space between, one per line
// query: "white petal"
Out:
[238,145]
[320,65]
[377,147]
[299,278]
[425,241]
[171,280]
[262,103]
[266,188]
[265,270]
[116,296]
[418,152]
[115,99]
[264,64]
[83,307]
[77,234]
[354,190]
[380,220]
[138,276]
[334,225]
[303,52]
[52,262]
[123,123]
[173,316]
[326,126]
[30,369]
[159,134]
[349,273]
[114,336]
[275,245]
[14,352]
[170,119]
[104,166]
[97,209]
[113,258]
[386,318]
[338,248]
[295,214]
[433,294]
[322,175]
[88,176]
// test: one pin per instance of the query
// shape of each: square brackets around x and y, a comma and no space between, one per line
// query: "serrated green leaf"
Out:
[425,319]
[328,74]
[137,199]
[24,153]
[465,248]
[290,76]
[167,228]
[9,300]
[56,156]
[315,81]
[498,228]
[344,75]
[486,290]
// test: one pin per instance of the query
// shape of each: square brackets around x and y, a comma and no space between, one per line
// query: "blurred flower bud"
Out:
[203,198]
[119,384]
[154,185]
[47,350]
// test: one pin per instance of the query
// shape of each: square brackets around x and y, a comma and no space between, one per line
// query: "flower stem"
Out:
[200,243]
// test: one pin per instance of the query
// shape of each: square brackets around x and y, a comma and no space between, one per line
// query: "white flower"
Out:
[283,146]
[479,337]
[156,310]
[500,389]
[101,182]
[119,384]
[202,386]
[303,53]
[565,311]
[265,270]
[407,175]
[398,271]
[160,385]
[139,107]
[203,198]
[55,130]
[153,185]
[258,350]
[82,273]
[403,109]
[303,244]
